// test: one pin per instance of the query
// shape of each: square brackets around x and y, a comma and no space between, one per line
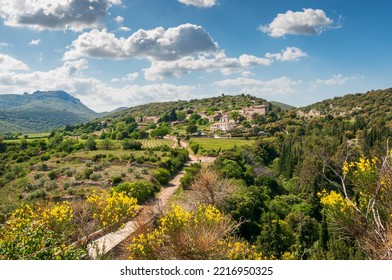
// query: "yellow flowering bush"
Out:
[110,209]
[364,207]
[39,231]
[334,199]
[362,173]
[204,233]
[240,250]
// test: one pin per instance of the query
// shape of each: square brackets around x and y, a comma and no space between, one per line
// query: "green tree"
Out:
[160,131]
[181,115]
[191,128]
[234,115]
[90,144]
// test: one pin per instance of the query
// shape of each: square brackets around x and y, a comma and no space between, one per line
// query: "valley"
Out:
[245,179]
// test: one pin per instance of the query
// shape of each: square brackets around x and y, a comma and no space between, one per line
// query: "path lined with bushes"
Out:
[106,243]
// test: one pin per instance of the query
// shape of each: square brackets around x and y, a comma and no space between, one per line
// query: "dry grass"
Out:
[210,188]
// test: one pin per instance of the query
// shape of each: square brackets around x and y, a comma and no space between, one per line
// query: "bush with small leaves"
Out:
[162,175]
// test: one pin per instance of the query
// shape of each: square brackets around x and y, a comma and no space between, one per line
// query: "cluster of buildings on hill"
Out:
[220,121]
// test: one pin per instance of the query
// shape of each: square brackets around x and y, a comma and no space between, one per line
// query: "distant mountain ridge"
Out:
[41,111]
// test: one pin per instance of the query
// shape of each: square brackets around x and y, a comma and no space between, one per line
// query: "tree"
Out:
[173,115]
[160,131]
[234,115]
[181,116]
[130,144]
[90,144]
[106,144]
[3,146]
[191,128]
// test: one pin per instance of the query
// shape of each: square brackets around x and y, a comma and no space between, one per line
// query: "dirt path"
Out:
[106,243]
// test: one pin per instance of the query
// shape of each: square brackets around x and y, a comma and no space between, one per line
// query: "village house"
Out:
[262,110]
[215,117]
[225,118]
[222,126]
[148,119]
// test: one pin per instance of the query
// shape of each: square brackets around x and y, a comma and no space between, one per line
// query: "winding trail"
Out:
[146,214]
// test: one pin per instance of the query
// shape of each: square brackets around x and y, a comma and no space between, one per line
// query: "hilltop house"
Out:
[257,109]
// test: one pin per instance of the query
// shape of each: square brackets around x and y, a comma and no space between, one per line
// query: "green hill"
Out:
[41,111]
[221,103]
[281,105]
[373,106]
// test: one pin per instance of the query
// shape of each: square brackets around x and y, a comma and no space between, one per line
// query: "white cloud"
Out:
[5,45]
[119,20]
[289,54]
[282,85]
[307,22]
[164,69]
[338,79]
[9,63]
[155,44]
[199,3]
[93,92]
[124,28]
[75,15]
[128,78]
[35,42]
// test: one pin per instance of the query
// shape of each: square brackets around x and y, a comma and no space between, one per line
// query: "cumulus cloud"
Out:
[119,20]
[289,54]
[155,44]
[338,79]
[124,28]
[199,3]
[75,15]
[93,92]
[9,63]
[164,69]
[306,22]
[35,42]
[282,85]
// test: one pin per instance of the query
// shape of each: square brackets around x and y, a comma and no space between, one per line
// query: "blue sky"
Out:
[112,53]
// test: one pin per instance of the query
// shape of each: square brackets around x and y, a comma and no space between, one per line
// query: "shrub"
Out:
[129,144]
[39,232]
[95,176]
[190,174]
[87,173]
[116,180]
[70,173]
[110,210]
[204,233]
[194,147]
[53,174]
[37,194]
[162,175]
[141,190]
[50,185]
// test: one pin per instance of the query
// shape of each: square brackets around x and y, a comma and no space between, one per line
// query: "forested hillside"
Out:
[41,111]
[223,103]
